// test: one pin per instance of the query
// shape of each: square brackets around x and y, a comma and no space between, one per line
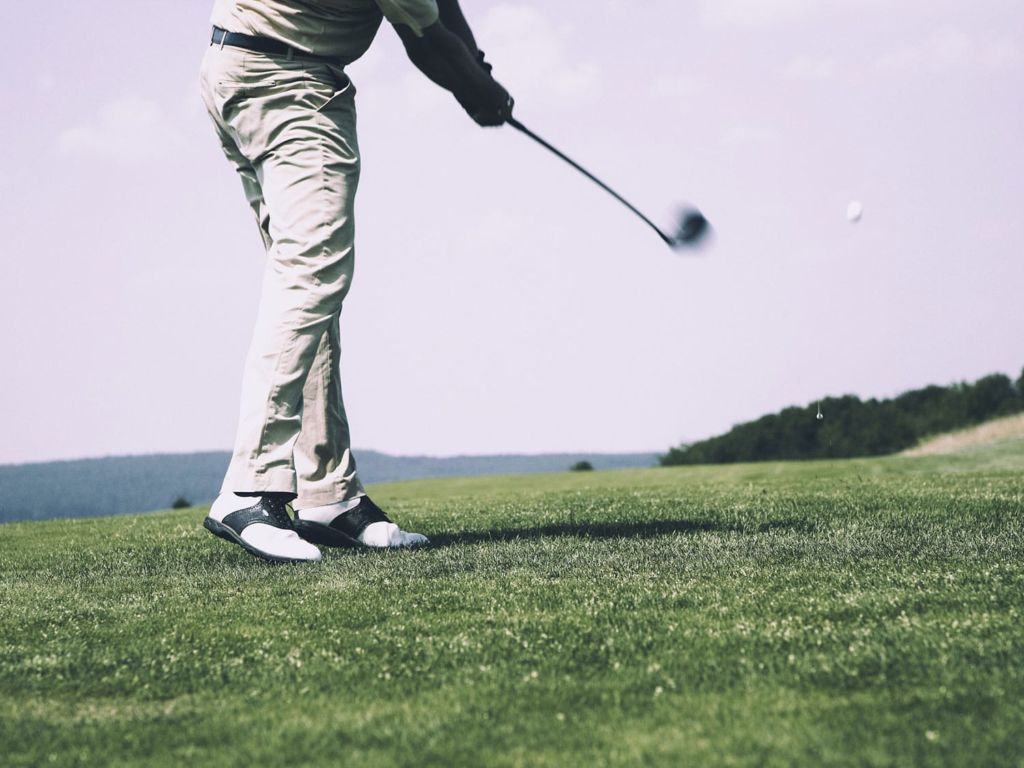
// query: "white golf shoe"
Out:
[261,526]
[362,524]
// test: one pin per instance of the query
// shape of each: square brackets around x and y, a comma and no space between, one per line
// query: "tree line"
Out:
[854,427]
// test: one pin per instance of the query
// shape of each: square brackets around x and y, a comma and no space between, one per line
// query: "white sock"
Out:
[384,534]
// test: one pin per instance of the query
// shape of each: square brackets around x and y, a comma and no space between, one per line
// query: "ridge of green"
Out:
[847,427]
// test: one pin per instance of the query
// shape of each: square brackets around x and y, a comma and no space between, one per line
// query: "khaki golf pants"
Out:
[289,128]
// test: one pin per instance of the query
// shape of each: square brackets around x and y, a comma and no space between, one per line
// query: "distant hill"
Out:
[1005,430]
[123,484]
[850,427]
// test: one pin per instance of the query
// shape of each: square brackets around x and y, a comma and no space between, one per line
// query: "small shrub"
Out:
[582,466]
[181,503]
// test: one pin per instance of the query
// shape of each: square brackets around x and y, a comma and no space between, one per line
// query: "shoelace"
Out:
[277,509]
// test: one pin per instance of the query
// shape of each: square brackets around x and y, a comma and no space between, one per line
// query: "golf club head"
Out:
[691,230]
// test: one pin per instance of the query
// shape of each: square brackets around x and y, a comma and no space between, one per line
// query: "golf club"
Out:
[691,226]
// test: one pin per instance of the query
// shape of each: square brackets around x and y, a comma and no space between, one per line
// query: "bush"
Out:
[851,427]
[181,503]
[991,395]
[582,466]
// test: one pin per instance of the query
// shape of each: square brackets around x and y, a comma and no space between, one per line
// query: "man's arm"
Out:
[447,59]
[451,16]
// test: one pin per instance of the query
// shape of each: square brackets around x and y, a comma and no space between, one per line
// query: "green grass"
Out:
[865,612]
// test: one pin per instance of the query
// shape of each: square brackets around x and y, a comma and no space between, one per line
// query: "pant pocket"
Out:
[343,93]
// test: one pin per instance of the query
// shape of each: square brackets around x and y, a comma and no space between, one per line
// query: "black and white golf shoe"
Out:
[362,525]
[261,526]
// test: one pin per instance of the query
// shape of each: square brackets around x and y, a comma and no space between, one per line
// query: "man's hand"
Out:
[496,113]
[489,119]
[492,114]
[446,59]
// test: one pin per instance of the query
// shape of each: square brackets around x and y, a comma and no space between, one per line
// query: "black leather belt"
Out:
[222,37]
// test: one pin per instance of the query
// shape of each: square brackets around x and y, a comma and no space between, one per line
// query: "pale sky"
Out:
[501,302]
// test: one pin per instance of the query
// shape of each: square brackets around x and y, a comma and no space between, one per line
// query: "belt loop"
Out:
[291,53]
[223,38]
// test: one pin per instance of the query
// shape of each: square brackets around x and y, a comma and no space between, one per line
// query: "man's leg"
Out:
[296,130]
[290,131]
[323,456]
[333,509]
[307,165]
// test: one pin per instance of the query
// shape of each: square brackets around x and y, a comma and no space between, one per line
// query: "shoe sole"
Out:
[222,531]
[325,536]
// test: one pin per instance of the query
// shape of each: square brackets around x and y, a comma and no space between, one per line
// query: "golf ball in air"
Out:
[854,210]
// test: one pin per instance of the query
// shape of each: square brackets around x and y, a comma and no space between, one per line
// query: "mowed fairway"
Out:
[866,612]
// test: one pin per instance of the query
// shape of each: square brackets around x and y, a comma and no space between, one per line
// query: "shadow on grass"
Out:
[645,530]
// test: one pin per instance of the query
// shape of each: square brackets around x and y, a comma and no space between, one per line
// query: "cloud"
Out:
[46,83]
[809,69]
[740,135]
[191,110]
[529,55]
[953,49]
[127,130]
[677,87]
[753,12]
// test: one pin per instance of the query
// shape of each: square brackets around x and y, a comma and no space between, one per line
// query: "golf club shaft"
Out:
[522,128]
